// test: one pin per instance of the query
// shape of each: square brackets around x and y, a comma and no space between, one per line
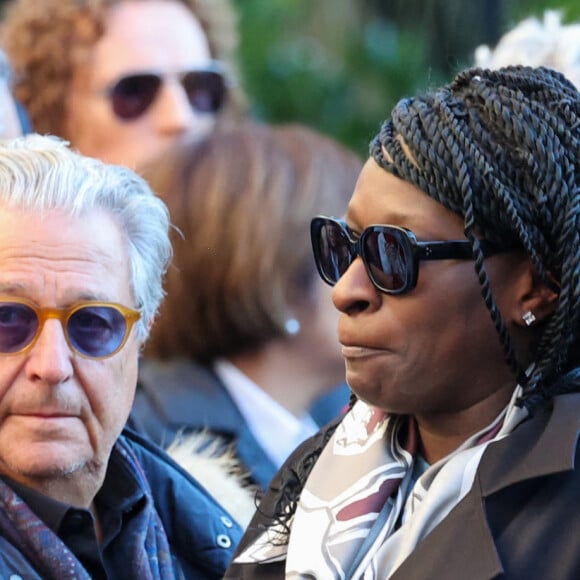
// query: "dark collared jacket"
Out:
[520,521]
[202,536]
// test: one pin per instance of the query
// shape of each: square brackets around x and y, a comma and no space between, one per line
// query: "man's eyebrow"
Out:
[12,287]
[15,289]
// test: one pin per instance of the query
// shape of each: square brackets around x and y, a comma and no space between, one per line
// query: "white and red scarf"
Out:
[361,513]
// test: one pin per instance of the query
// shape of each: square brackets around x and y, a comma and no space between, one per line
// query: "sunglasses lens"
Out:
[18,326]
[206,90]
[388,258]
[96,331]
[331,249]
[133,95]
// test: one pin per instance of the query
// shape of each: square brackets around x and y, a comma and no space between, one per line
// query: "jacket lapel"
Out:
[543,445]
[462,545]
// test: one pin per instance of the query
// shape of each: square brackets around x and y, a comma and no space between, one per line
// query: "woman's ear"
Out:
[537,299]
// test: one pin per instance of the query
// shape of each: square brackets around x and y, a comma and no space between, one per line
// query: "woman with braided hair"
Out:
[456,272]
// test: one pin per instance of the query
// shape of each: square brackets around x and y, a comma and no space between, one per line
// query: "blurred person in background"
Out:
[245,344]
[123,79]
[14,121]
[535,42]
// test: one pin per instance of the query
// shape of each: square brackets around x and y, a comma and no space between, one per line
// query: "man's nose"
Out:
[174,113]
[50,357]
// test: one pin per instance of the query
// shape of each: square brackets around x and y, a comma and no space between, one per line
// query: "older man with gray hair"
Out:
[83,249]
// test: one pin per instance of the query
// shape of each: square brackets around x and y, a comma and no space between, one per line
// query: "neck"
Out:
[440,434]
[290,376]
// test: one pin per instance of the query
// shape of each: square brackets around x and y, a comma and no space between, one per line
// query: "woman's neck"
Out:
[442,433]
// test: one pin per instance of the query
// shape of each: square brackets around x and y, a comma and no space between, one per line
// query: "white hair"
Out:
[39,173]
[533,42]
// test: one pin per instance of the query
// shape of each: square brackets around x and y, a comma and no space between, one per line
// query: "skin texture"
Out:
[60,413]
[433,352]
[135,42]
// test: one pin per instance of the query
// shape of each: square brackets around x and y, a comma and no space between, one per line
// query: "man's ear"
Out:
[537,299]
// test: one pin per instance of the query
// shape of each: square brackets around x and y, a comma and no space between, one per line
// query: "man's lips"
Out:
[44,413]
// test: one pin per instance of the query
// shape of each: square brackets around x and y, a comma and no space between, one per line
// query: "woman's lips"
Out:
[351,352]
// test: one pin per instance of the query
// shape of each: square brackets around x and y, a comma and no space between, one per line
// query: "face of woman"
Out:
[433,351]
[160,36]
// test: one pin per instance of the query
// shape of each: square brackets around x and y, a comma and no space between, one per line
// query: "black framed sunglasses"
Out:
[94,330]
[206,89]
[391,254]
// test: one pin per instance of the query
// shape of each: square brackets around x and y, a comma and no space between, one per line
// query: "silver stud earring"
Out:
[292,326]
[529,318]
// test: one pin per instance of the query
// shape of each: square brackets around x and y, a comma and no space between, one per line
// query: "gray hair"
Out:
[41,173]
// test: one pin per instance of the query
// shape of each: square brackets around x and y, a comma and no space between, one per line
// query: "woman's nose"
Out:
[354,290]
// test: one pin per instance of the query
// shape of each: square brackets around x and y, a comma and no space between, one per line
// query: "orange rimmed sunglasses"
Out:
[94,330]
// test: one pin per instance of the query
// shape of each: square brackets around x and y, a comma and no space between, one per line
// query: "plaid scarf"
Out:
[150,558]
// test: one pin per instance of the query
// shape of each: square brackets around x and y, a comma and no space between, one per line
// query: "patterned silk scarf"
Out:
[360,513]
[149,560]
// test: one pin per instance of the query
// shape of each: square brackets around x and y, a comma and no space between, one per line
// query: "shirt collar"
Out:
[277,430]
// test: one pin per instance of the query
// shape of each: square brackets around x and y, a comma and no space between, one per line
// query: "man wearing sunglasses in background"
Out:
[83,248]
[123,79]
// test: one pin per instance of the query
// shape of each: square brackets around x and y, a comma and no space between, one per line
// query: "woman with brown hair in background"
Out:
[245,344]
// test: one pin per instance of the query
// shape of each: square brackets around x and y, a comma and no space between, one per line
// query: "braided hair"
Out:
[501,149]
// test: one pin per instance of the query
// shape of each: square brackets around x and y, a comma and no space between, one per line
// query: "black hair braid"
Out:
[500,148]
[561,332]
[457,140]
[293,481]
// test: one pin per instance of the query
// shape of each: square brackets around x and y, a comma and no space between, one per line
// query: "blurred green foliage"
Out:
[327,65]
[341,65]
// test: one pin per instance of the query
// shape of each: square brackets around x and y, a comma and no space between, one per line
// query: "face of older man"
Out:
[60,413]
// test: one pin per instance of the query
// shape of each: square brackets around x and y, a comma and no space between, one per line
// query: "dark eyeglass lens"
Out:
[18,325]
[133,95]
[386,258]
[206,90]
[334,251]
[96,331]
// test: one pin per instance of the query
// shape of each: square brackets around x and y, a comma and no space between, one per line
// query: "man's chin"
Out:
[44,468]
[54,471]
